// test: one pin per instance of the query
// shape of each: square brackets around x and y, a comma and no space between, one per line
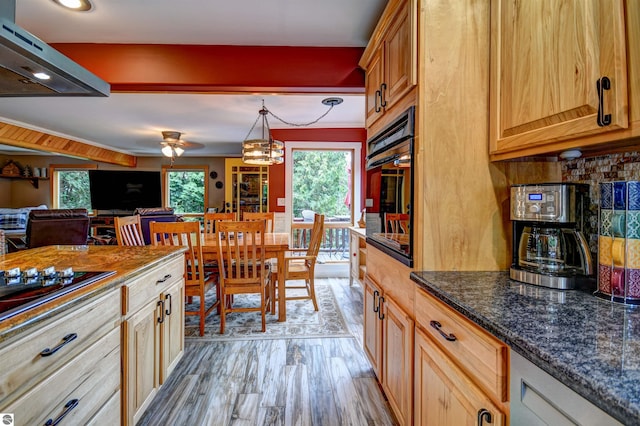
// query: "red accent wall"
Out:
[200,68]
[276,172]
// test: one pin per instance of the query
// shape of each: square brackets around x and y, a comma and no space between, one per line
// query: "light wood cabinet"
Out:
[357,255]
[444,395]
[388,342]
[461,371]
[390,59]
[152,334]
[547,62]
[79,374]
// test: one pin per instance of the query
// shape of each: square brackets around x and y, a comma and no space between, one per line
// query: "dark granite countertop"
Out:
[590,344]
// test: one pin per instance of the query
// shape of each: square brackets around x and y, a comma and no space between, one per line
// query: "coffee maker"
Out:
[549,247]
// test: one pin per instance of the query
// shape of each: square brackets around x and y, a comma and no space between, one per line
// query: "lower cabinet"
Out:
[388,342]
[444,395]
[357,255]
[461,371]
[152,336]
[69,366]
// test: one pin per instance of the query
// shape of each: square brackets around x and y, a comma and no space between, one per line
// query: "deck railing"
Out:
[335,242]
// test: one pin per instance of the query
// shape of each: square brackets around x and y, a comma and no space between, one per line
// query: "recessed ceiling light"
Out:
[79,5]
[41,76]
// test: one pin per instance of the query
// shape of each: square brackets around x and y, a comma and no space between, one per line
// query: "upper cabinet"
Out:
[558,75]
[390,59]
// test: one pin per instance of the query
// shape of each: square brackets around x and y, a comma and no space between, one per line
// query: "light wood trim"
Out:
[53,179]
[13,135]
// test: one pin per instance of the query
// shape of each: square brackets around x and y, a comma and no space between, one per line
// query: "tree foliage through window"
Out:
[321,182]
[186,191]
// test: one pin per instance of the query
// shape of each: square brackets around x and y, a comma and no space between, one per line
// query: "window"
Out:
[71,186]
[186,189]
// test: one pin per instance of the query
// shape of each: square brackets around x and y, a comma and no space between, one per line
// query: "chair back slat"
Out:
[317,233]
[268,217]
[210,220]
[241,251]
[128,230]
[185,234]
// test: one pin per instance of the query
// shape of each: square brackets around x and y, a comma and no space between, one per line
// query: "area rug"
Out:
[302,321]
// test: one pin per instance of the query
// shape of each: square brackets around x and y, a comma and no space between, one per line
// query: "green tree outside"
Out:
[186,191]
[74,189]
[321,182]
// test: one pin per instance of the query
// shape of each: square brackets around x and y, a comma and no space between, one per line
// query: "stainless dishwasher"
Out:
[539,399]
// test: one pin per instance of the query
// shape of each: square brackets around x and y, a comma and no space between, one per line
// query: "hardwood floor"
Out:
[320,381]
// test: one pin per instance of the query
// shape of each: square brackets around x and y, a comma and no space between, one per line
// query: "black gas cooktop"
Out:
[24,290]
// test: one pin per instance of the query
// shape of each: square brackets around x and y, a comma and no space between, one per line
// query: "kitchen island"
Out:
[105,348]
[589,344]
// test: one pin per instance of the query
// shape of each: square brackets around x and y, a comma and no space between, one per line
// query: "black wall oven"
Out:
[389,189]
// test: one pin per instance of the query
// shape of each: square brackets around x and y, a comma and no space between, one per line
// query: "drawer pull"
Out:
[66,339]
[380,302]
[168,311]
[603,84]
[161,317]
[450,337]
[483,414]
[163,279]
[67,409]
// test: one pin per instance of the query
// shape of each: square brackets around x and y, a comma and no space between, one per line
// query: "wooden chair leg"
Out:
[223,312]
[312,293]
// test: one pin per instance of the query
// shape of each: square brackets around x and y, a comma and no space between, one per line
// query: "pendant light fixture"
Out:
[265,150]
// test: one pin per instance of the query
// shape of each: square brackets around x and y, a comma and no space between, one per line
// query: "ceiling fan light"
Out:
[78,5]
[167,151]
[179,151]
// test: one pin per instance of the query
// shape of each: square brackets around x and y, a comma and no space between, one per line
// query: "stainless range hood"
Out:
[23,54]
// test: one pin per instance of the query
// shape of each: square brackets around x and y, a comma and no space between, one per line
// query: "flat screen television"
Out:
[124,190]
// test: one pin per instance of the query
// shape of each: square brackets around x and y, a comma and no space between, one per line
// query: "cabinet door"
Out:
[444,395]
[397,359]
[141,334]
[400,57]
[373,85]
[372,326]
[546,61]
[172,329]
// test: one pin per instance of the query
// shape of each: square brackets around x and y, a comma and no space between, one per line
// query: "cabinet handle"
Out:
[67,409]
[375,102]
[375,303]
[450,337]
[383,87]
[161,317]
[66,339]
[163,279]
[168,311]
[483,414]
[380,302]
[603,84]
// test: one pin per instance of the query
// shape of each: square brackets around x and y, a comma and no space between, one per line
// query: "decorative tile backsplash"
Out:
[593,170]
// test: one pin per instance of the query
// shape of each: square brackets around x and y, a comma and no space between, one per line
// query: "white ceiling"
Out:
[132,122]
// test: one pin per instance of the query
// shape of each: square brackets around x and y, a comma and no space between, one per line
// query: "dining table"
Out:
[276,244]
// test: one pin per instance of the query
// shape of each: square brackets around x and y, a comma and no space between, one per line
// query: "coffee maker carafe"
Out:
[549,248]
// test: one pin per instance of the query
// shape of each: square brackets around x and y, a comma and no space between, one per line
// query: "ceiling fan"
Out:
[173,146]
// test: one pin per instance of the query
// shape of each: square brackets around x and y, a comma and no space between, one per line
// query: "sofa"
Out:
[14,221]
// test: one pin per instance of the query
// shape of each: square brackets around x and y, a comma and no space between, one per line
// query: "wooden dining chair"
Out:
[268,217]
[396,223]
[242,267]
[128,230]
[210,220]
[302,267]
[197,282]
